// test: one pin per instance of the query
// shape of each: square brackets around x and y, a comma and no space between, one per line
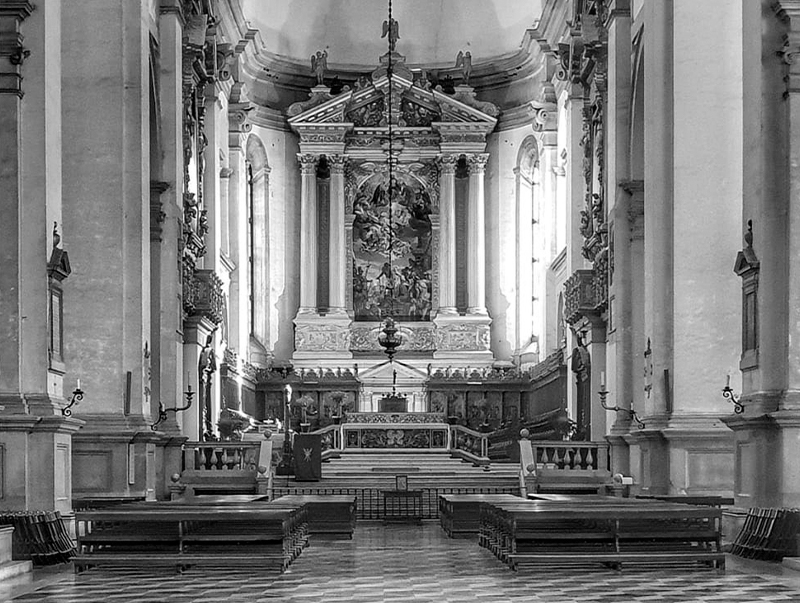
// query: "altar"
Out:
[396,431]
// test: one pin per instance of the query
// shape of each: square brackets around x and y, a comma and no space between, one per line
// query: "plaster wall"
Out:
[502,229]
[708,202]
[283,208]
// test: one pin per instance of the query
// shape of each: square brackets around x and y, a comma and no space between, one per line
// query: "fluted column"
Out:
[308,233]
[447,234]
[476,238]
[337,263]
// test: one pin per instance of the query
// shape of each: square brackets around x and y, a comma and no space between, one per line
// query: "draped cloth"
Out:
[307,457]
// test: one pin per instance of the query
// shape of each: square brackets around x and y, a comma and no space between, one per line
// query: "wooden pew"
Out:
[332,516]
[599,530]
[459,514]
[183,536]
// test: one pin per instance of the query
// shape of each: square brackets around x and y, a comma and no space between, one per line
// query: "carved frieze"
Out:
[464,337]
[321,338]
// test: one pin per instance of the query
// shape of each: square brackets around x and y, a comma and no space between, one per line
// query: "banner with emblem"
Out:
[307,457]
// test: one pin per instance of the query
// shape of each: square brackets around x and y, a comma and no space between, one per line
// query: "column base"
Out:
[36,461]
[685,455]
[115,456]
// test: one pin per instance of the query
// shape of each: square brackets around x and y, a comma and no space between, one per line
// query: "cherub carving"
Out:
[464,60]
[319,65]
[392,29]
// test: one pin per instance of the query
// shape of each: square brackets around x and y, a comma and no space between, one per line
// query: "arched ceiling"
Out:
[431,32]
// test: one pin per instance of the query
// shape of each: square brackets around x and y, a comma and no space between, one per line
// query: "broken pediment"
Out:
[413,106]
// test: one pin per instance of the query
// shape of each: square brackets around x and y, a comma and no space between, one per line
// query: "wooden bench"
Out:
[182,535]
[331,516]
[459,514]
[601,530]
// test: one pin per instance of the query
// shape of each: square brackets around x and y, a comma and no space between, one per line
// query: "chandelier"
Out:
[388,338]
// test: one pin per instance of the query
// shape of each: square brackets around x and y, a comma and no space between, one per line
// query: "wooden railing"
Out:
[469,445]
[221,456]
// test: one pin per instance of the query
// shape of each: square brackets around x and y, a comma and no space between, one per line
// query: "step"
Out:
[11,569]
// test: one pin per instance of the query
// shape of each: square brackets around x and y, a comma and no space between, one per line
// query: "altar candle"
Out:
[79,382]
[728,380]
[602,378]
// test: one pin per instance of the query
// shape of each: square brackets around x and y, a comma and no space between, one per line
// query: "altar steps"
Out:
[424,470]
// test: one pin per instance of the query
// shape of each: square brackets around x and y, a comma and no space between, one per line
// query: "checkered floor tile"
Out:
[404,564]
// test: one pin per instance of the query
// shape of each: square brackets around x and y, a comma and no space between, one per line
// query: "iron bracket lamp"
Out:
[631,412]
[77,396]
[162,412]
[728,394]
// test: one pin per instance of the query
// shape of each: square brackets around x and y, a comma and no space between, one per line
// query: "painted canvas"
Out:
[392,250]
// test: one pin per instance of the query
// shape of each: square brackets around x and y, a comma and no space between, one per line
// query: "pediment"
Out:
[364,106]
[384,373]
[746,262]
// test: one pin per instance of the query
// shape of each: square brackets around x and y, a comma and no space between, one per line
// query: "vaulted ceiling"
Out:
[432,32]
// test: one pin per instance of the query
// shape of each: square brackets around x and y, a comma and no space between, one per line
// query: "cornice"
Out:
[18,9]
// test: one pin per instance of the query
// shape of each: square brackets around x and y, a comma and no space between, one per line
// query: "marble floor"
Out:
[414,563]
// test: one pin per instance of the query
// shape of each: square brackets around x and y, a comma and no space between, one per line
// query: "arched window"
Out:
[257,249]
[529,278]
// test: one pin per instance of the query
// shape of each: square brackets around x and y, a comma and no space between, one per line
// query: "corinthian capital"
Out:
[337,163]
[447,163]
[308,163]
[477,162]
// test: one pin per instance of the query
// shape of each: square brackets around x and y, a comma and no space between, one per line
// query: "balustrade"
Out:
[569,456]
[469,444]
[221,456]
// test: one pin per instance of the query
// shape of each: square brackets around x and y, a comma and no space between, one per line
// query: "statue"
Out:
[464,60]
[207,366]
[392,29]
[319,64]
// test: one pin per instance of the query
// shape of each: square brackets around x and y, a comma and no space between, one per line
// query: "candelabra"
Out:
[162,412]
[631,412]
[77,396]
[728,394]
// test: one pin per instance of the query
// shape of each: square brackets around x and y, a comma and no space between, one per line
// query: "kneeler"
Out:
[307,453]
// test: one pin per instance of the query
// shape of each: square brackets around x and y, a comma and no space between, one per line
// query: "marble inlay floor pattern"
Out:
[414,563]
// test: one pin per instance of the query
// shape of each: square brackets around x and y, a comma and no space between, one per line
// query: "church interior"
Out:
[436,293]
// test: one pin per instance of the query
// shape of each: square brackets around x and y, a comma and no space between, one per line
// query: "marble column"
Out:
[107,172]
[337,243]
[617,137]
[35,439]
[658,225]
[239,309]
[790,9]
[447,235]
[476,236]
[308,234]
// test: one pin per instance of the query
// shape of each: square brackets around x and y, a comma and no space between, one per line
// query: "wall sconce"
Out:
[604,392]
[162,412]
[728,394]
[77,396]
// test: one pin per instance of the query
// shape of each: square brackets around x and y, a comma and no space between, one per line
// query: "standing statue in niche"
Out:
[392,29]
[319,65]
[207,366]
[464,60]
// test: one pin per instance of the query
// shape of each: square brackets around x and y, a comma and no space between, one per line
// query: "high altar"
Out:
[425,267]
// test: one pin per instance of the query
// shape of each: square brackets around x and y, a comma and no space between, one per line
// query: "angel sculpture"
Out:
[392,29]
[464,60]
[319,64]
